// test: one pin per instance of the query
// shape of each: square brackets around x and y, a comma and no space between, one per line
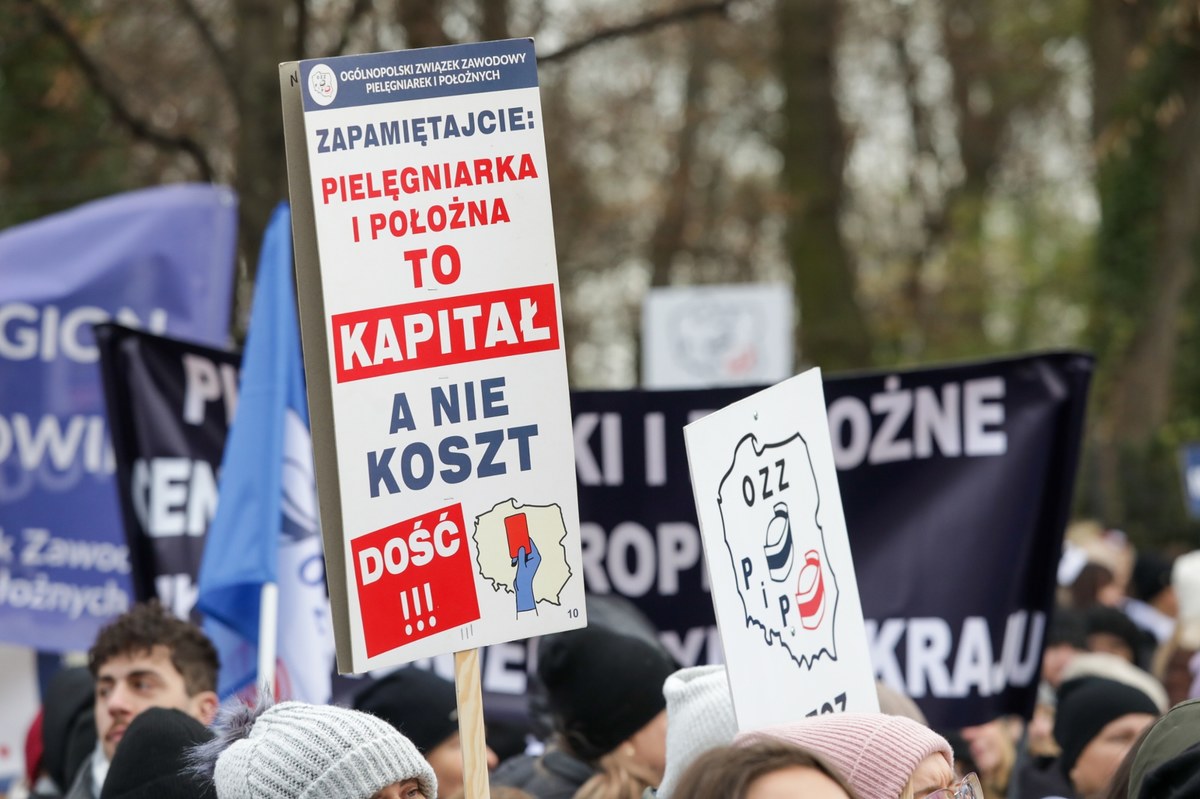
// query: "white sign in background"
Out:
[450,401]
[778,557]
[707,336]
[19,698]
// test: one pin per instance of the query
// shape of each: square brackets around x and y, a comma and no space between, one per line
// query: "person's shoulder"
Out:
[566,766]
[82,787]
[515,771]
[552,775]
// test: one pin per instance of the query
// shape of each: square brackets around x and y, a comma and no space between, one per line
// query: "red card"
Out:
[517,528]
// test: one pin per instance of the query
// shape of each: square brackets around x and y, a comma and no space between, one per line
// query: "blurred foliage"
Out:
[45,164]
[935,180]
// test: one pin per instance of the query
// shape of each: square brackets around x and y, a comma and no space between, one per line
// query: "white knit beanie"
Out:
[876,753]
[300,751]
[699,717]
[1185,577]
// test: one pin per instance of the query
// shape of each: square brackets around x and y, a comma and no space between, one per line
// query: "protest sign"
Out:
[775,544]
[19,698]
[159,258]
[956,484]
[433,347]
[708,336]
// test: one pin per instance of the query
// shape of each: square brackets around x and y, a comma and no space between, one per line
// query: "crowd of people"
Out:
[613,717]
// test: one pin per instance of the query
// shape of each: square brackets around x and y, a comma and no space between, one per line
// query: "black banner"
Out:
[956,484]
[170,404]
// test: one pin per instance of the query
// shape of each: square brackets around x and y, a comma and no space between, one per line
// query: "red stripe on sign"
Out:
[432,333]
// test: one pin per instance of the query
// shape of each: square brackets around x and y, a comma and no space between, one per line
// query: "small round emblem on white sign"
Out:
[322,85]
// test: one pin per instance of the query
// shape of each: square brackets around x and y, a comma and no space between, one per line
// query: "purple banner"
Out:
[159,259]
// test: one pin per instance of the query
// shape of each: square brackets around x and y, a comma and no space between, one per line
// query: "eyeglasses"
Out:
[968,788]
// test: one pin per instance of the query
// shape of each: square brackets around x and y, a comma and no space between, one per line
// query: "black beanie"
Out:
[68,726]
[1151,575]
[1066,627]
[1086,705]
[150,761]
[420,704]
[1103,619]
[1177,778]
[603,686]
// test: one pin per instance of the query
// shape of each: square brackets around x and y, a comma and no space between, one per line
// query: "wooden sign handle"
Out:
[470,724]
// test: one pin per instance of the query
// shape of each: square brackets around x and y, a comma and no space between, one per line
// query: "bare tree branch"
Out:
[92,72]
[645,25]
[205,31]
[357,11]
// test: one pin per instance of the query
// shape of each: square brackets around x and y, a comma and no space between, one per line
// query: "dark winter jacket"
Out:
[553,775]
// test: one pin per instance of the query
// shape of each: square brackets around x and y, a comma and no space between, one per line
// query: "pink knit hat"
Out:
[876,753]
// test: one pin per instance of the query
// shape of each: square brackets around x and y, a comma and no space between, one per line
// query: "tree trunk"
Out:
[1148,139]
[260,43]
[668,234]
[423,24]
[833,332]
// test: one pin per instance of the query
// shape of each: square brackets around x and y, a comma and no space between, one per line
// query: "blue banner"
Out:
[265,529]
[1189,464]
[159,259]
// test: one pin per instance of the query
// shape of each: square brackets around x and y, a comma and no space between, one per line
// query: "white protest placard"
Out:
[726,335]
[441,372]
[778,558]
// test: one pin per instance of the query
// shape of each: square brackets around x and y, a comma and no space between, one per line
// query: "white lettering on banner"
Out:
[40,548]
[962,419]
[57,442]
[608,470]
[177,592]
[928,668]
[632,561]
[696,642]
[42,594]
[499,674]
[173,496]
[28,332]
[603,462]
[206,381]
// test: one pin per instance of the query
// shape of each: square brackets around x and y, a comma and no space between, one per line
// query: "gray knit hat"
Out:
[295,750]
[699,718]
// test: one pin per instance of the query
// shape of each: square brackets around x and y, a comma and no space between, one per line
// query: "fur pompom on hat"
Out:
[876,753]
[295,750]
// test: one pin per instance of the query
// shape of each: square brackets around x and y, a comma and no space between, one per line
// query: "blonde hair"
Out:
[618,776]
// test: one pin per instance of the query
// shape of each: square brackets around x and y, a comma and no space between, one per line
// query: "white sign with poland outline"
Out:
[778,557]
[442,389]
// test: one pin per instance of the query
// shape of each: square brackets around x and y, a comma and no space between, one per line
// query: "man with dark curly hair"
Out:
[145,658]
